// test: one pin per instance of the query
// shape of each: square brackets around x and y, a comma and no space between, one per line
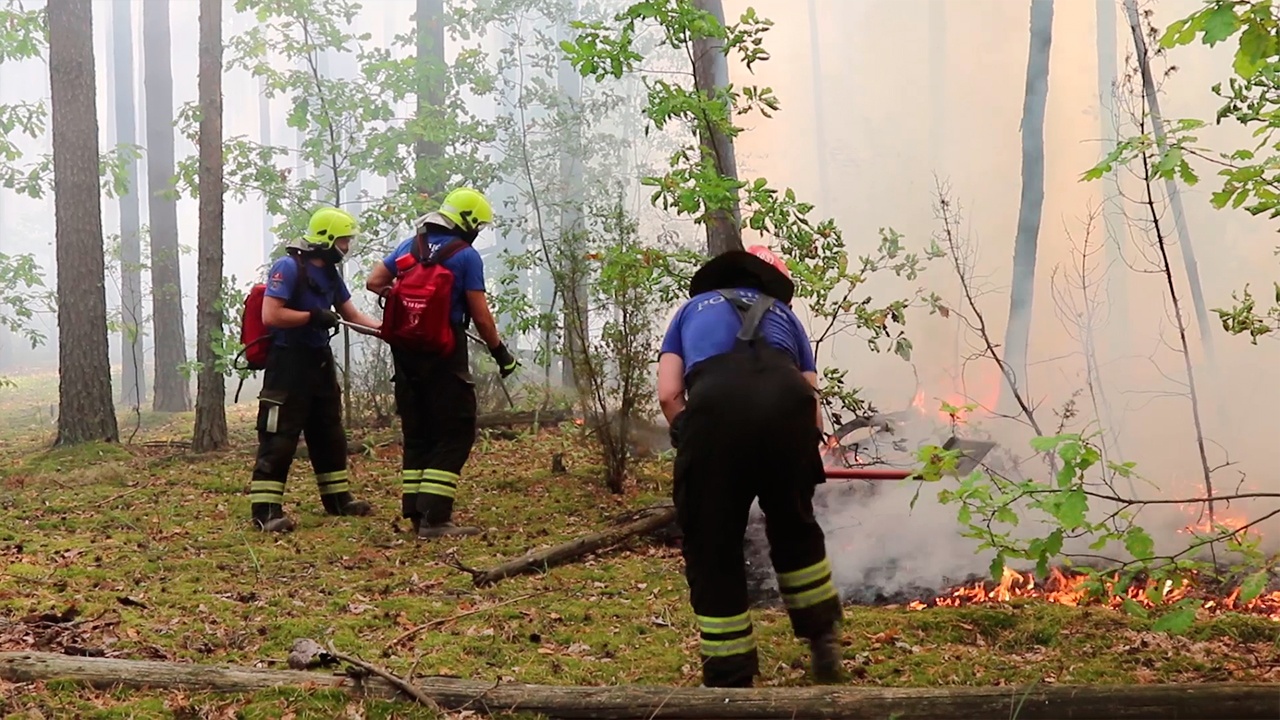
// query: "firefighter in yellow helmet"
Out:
[435,394]
[300,394]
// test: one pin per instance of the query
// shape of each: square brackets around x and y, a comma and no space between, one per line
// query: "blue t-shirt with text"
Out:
[282,281]
[465,264]
[707,325]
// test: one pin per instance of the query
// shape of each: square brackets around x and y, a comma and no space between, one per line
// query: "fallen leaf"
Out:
[886,637]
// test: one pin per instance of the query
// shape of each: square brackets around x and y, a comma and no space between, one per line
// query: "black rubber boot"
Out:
[270,517]
[437,519]
[445,529]
[827,660]
[344,504]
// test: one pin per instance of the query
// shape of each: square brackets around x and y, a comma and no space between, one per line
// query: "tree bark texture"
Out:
[172,390]
[85,408]
[1171,186]
[1113,220]
[210,431]
[429,17]
[575,296]
[1240,701]
[819,109]
[938,105]
[264,137]
[1022,289]
[564,552]
[711,76]
[133,360]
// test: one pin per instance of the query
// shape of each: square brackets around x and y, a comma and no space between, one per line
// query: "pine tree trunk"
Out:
[576,304]
[264,137]
[210,431]
[133,361]
[819,109]
[7,339]
[937,86]
[172,390]
[430,68]
[711,72]
[85,410]
[1022,290]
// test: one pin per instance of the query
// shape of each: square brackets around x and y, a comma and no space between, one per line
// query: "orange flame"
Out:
[1067,588]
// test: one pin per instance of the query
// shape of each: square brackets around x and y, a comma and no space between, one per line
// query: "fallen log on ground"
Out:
[648,521]
[1243,701]
[543,418]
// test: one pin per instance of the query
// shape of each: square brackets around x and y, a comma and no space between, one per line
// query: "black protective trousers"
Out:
[748,432]
[436,402]
[300,396]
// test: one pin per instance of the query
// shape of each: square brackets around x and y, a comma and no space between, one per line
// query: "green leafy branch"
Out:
[694,186]
[1078,502]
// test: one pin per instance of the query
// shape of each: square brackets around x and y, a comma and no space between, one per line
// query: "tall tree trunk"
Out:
[264,137]
[1022,291]
[133,362]
[711,74]
[210,431]
[85,410]
[7,338]
[1171,186]
[1113,220]
[819,108]
[172,389]
[937,84]
[575,302]
[430,69]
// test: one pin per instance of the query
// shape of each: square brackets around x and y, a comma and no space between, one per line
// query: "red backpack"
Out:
[415,312]
[255,337]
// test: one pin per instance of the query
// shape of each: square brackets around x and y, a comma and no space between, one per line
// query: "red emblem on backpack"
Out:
[415,312]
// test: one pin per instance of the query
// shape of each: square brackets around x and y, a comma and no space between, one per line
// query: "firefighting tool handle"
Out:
[360,328]
[501,376]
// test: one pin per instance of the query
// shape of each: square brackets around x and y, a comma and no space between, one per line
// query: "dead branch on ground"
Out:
[1246,701]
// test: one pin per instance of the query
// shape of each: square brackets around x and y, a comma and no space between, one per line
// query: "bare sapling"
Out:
[1082,304]
[963,257]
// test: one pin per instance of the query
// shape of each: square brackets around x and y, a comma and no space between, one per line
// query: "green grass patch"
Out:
[151,545]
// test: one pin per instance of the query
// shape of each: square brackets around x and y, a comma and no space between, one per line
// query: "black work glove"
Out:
[506,361]
[676,430]
[324,318]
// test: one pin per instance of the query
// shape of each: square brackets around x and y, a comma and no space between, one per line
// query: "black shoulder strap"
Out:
[304,278]
[447,251]
[751,312]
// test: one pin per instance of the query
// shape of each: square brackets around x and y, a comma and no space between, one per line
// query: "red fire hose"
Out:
[867,473]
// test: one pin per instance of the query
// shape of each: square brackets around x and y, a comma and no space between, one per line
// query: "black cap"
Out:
[741,269]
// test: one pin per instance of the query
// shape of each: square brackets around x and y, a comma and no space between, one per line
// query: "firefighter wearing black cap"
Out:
[736,372]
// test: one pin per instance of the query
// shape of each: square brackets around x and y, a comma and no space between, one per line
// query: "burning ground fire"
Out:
[1068,589]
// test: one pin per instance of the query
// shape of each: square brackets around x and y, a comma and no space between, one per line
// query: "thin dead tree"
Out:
[1080,298]
[1148,222]
[963,257]
[1152,97]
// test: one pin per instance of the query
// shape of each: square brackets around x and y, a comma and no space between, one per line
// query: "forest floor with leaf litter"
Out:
[144,551]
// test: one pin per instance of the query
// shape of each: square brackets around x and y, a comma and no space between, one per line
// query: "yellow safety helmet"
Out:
[467,208]
[327,225]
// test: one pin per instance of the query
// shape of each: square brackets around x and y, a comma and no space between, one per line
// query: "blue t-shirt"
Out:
[282,280]
[465,264]
[708,324]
